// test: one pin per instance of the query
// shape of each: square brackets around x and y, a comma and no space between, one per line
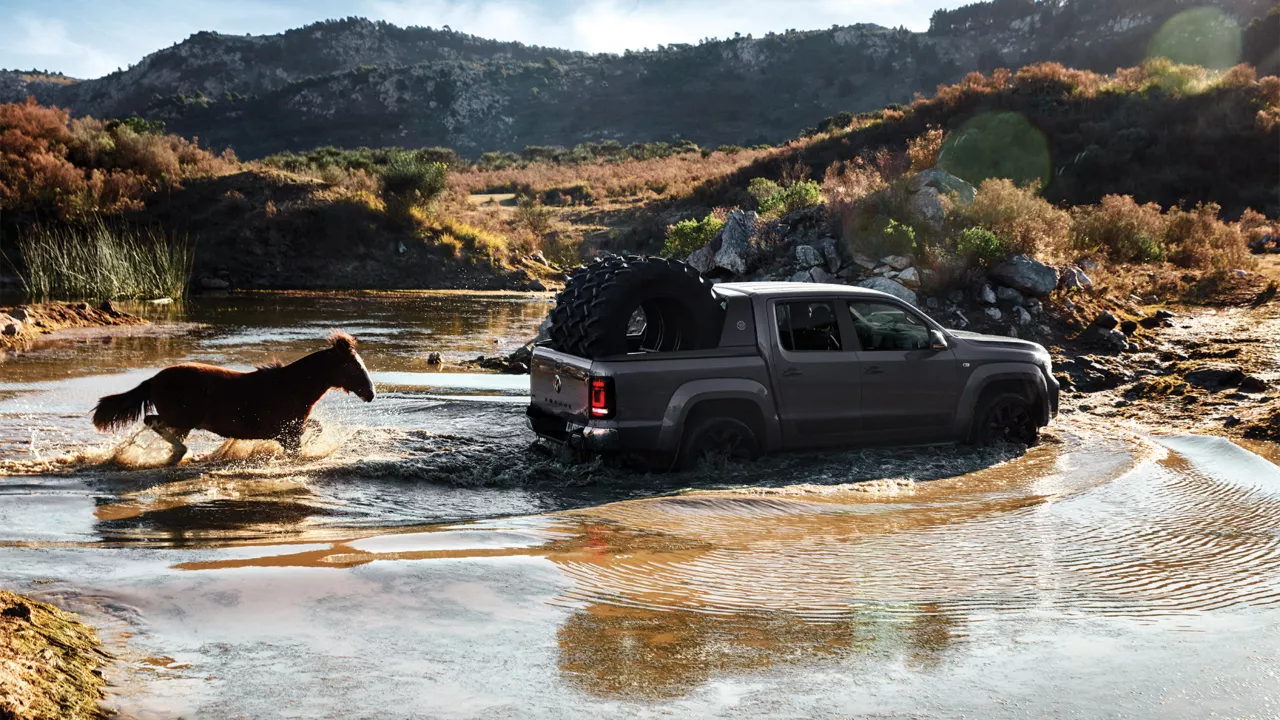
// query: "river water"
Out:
[428,559]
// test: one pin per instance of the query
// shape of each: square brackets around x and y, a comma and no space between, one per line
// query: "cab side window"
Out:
[808,326]
[884,326]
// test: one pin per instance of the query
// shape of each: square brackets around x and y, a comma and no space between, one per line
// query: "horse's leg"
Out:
[175,437]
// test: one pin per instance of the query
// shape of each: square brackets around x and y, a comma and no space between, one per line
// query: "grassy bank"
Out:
[97,262]
[49,663]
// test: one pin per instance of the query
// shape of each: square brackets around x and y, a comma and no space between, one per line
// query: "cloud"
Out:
[46,43]
[617,25]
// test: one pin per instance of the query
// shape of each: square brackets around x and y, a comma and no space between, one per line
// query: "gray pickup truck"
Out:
[797,366]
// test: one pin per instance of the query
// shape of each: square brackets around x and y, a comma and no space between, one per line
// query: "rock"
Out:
[1075,279]
[1033,306]
[734,250]
[535,285]
[19,314]
[909,277]
[1008,294]
[928,277]
[820,275]
[1231,421]
[807,256]
[539,258]
[1214,376]
[831,253]
[987,295]
[955,296]
[848,273]
[702,259]
[434,359]
[944,183]
[881,269]
[12,328]
[892,275]
[1106,321]
[802,276]
[213,283]
[867,263]
[960,320]
[891,287]
[1164,315]
[1026,274]
[1089,264]
[931,303]
[1240,274]
[1252,384]
[897,262]
[1024,317]
[1115,340]
[994,313]
[926,208]
[1128,327]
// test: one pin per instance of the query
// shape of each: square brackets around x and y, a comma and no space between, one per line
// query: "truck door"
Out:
[909,391]
[816,373]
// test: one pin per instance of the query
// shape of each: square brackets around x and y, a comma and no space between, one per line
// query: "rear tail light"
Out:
[602,397]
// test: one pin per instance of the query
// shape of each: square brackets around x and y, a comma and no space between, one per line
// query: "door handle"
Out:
[873,370]
[791,372]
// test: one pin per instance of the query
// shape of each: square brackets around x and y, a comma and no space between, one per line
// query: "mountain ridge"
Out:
[357,82]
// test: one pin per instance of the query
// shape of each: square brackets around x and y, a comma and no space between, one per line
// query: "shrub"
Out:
[981,245]
[532,216]
[1022,220]
[472,241]
[408,182]
[1121,228]
[773,199]
[96,262]
[688,235]
[923,150]
[1197,238]
[897,238]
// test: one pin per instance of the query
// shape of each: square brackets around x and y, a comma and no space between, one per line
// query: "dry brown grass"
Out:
[673,176]
[49,662]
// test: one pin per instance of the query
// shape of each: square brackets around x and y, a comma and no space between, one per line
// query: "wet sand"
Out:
[425,561]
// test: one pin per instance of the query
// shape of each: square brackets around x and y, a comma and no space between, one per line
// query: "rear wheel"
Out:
[1007,417]
[715,442]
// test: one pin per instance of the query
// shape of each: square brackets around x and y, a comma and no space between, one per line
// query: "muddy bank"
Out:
[49,662]
[21,324]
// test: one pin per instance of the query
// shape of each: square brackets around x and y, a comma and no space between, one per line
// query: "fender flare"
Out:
[695,391]
[984,376]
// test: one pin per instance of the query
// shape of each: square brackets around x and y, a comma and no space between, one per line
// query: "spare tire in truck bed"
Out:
[635,304]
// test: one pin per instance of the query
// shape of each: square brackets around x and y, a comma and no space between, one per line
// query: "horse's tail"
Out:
[116,411]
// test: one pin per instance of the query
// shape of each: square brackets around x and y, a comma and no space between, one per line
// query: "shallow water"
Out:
[426,560]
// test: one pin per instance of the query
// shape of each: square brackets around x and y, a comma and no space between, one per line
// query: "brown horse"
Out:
[270,403]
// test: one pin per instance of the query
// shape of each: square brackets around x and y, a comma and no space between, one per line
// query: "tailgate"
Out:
[559,384]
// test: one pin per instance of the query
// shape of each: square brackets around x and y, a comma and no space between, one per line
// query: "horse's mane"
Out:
[270,365]
[341,340]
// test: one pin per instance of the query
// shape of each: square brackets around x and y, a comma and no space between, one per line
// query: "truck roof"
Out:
[785,289]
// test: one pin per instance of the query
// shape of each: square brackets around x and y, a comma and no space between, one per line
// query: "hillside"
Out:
[359,83]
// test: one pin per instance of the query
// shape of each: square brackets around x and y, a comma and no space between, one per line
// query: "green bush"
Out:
[533,215]
[897,238]
[409,181]
[687,236]
[981,245]
[773,199]
[98,262]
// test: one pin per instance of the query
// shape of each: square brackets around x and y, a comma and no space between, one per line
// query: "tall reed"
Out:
[99,262]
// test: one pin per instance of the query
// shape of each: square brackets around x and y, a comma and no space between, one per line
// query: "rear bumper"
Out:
[556,429]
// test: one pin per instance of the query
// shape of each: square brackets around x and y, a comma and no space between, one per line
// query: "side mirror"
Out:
[937,341]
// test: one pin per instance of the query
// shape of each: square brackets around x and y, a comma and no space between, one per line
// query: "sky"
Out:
[90,38]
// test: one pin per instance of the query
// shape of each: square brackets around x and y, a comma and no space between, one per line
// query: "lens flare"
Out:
[1203,36]
[998,145]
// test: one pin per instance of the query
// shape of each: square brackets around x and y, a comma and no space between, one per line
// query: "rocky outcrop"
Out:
[886,285]
[1027,275]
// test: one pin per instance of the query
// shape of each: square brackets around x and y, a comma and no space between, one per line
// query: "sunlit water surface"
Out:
[427,559]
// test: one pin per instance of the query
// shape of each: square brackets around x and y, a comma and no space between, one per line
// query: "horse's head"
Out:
[352,376]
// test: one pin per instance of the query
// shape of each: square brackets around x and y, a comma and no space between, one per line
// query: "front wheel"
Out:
[715,442]
[1004,418]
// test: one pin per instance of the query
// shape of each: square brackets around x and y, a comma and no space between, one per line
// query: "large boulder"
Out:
[885,285]
[1026,274]
[831,253]
[808,256]
[734,252]
[926,208]
[943,183]
[702,259]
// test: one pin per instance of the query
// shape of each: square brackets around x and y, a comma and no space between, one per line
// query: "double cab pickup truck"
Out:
[798,365]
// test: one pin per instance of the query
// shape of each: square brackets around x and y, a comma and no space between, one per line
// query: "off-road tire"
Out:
[1004,417]
[592,313]
[716,441]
